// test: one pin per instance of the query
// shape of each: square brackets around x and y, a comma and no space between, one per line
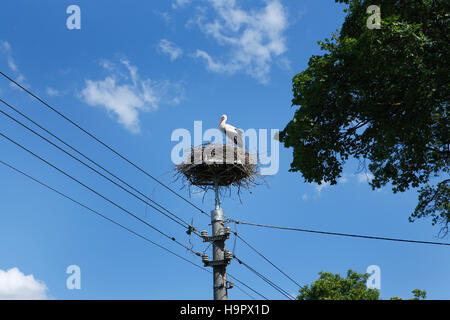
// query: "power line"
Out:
[99,214]
[99,194]
[124,227]
[339,234]
[265,279]
[172,238]
[246,293]
[185,225]
[110,201]
[265,258]
[236,279]
[174,192]
[80,153]
[103,143]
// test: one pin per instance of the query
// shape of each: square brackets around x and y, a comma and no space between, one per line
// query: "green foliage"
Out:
[334,287]
[435,203]
[353,287]
[418,295]
[380,95]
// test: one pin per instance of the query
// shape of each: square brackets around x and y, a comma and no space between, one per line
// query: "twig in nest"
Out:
[226,165]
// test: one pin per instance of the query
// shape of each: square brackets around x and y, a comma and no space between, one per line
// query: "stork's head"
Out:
[223,118]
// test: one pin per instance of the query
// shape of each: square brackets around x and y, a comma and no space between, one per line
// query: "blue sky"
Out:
[134,73]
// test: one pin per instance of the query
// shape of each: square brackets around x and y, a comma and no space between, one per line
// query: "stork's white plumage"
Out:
[231,132]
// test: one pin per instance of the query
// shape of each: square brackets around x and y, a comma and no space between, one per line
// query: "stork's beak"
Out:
[220,122]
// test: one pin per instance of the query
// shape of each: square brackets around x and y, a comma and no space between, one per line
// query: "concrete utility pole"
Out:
[220,166]
[221,257]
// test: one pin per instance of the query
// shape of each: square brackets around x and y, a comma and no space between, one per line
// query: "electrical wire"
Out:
[80,153]
[124,227]
[234,240]
[246,293]
[339,234]
[98,194]
[180,196]
[112,150]
[173,217]
[265,279]
[265,258]
[140,169]
[98,213]
[248,287]
[112,202]
[103,143]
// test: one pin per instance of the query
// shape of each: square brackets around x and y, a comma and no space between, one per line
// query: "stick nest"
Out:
[225,165]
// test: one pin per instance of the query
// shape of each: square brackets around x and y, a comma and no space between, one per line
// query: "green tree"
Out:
[334,287]
[418,295]
[353,287]
[380,95]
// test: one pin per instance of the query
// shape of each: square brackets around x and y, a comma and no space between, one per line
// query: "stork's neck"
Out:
[223,123]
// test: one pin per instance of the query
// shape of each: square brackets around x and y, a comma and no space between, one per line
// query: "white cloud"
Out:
[14,285]
[255,38]
[126,95]
[52,92]
[321,186]
[180,3]
[216,66]
[12,65]
[170,48]
[318,191]
[132,70]
[364,177]
[165,16]
[360,178]
[5,48]
[343,179]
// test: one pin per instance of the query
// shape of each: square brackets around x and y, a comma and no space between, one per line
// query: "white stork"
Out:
[231,132]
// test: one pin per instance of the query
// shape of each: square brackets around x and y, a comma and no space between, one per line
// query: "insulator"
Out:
[204,233]
[228,255]
[205,257]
